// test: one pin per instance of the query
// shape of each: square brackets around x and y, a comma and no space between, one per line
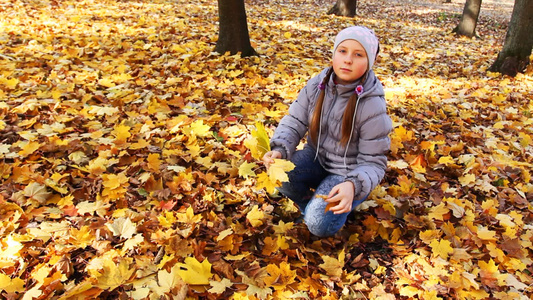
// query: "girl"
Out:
[343,111]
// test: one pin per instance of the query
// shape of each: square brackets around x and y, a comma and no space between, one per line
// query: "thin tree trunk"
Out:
[345,8]
[518,44]
[467,24]
[233,34]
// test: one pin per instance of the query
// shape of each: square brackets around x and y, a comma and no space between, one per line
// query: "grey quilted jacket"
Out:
[364,160]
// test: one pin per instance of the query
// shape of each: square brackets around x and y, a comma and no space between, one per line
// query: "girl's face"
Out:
[349,61]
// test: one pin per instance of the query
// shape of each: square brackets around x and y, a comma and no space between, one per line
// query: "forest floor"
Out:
[496,10]
[130,156]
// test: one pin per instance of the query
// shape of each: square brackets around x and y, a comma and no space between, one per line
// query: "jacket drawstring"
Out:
[351,132]
[359,93]
[319,132]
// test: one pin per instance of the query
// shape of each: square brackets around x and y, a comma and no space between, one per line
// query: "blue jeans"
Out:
[309,174]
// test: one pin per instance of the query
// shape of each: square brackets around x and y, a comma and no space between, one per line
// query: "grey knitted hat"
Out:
[363,35]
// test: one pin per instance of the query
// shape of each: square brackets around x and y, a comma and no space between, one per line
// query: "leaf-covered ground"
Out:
[125,171]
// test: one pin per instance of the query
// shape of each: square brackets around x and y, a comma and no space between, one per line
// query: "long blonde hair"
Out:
[347,118]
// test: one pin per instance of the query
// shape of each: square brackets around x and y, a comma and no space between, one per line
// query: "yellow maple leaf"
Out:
[246,170]
[264,181]
[29,148]
[446,160]
[406,185]
[333,266]
[490,207]
[430,145]
[278,170]
[427,236]
[42,273]
[167,219]
[166,281]
[525,139]
[485,234]
[82,237]
[11,285]
[398,164]
[140,144]
[438,212]
[154,163]
[409,291]
[122,227]
[279,277]
[403,134]
[441,248]
[194,149]
[488,270]
[97,166]
[130,244]
[107,82]
[113,181]
[224,233]
[195,273]
[282,243]
[255,216]
[9,83]
[121,78]
[270,247]
[56,94]
[188,217]
[250,109]
[252,144]
[113,275]
[99,207]
[34,293]
[263,142]
[227,243]
[78,157]
[283,227]
[115,186]
[103,110]
[419,164]
[219,287]
[198,128]
[121,133]
[36,191]
[205,161]
[467,179]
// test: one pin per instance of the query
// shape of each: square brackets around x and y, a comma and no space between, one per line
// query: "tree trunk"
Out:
[233,34]
[468,22]
[345,8]
[518,44]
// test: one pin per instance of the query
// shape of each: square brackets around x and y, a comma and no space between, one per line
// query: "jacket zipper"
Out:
[335,95]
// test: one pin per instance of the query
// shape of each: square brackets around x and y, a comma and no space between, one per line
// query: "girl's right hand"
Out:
[269,157]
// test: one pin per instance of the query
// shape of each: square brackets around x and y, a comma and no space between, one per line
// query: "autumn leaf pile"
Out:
[129,157]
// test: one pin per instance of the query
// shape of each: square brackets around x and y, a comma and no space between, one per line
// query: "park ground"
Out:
[130,170]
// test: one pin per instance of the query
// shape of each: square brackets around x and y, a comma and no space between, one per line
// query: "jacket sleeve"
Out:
[374,143]
[292,127]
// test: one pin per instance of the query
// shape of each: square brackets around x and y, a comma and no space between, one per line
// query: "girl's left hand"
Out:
[342,193]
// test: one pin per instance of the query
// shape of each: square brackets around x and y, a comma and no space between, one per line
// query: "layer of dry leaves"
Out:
[127,167]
